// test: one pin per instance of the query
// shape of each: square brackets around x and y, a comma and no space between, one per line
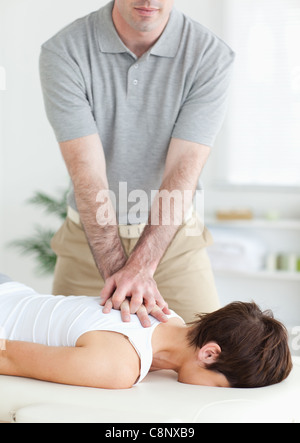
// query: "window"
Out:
[261,140]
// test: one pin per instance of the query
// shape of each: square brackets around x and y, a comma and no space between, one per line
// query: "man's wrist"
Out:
[108,271]
[109,255]
[151,247]
[140,263]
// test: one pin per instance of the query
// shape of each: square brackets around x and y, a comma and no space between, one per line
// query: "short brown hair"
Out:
[254,346]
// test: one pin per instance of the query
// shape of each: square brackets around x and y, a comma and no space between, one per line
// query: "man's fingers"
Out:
[119,297]
[156,313]
[159,315]
[144,317]
[160,301]
[108,306]
[125,311]
[150,303]
[166,310]
[107,291]
[136,302]
[143,301]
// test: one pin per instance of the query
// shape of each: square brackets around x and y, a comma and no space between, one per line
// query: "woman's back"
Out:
[61,321]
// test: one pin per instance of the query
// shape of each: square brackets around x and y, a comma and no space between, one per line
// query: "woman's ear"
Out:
[209,353]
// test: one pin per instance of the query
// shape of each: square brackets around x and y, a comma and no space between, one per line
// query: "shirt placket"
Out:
[134,79]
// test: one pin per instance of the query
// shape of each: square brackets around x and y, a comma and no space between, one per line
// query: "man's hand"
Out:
[135,281]
[134,291]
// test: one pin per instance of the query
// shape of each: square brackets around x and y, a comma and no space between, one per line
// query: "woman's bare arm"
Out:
[86,365]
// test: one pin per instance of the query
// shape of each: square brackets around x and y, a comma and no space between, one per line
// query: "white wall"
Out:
[29,155]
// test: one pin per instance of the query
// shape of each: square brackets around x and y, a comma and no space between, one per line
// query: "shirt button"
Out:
[135,82]
[136,66]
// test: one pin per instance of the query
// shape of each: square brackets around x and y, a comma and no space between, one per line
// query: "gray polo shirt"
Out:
[92,83]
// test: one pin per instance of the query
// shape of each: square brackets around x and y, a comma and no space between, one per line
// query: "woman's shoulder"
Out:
[114,358]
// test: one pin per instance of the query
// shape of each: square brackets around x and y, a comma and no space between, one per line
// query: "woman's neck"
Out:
[170,345]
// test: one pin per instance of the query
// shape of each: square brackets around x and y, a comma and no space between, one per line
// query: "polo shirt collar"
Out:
[169,41]
[166,46]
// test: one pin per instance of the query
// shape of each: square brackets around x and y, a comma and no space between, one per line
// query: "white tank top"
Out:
[28,316]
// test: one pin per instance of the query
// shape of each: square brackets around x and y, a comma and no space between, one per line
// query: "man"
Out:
[136,94]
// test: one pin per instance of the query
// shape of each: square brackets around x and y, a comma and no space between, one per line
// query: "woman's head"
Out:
[252,346]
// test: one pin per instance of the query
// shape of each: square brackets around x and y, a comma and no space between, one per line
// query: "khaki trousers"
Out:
[184,276]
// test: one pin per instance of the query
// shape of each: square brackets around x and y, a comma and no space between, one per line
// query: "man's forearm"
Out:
[168,212]
[104,240]
[85,160]
[184,165]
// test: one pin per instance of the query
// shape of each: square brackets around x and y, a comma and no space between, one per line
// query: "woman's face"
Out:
[202,377]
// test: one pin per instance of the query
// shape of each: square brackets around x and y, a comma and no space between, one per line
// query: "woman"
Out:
[70,340]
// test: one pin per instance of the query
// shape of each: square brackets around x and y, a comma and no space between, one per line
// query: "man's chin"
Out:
[145,25]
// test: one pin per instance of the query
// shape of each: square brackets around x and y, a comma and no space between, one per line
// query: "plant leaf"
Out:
[51,205]
[39,246]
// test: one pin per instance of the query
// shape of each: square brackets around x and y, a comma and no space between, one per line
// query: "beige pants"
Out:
[184,276]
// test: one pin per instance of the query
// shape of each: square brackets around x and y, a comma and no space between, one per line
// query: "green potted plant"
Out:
[38,244]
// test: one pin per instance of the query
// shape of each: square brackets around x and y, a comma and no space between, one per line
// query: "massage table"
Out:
[158,399]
